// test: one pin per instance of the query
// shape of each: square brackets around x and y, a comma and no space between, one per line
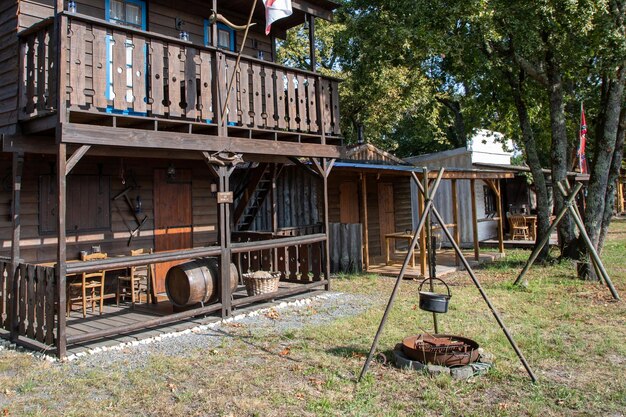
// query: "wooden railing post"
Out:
[18,168]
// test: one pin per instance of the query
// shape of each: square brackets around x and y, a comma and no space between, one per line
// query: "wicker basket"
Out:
[261,282]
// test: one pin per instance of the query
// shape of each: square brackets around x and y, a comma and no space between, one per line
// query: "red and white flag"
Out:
[275,10]
[582,160]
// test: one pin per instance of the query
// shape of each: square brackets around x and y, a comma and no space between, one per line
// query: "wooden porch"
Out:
[446,264]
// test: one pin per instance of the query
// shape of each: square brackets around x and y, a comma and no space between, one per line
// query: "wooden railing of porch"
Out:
[114,70]
[35,316]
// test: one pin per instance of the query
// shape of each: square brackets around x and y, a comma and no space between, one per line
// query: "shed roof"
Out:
[404,170]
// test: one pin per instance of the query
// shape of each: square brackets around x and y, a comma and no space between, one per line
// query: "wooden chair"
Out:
[138,280]
[519,228]
[90,289]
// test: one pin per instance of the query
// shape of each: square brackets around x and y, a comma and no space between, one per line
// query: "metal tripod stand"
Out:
[429,208]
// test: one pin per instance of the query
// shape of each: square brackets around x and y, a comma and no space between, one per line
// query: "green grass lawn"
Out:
[572,333]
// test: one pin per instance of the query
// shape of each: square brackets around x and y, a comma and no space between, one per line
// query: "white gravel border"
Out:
[7,345]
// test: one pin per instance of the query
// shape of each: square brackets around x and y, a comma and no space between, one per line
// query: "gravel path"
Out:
[279,319]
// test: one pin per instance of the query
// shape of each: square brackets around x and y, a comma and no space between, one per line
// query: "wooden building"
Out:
[373,207]
[132,124]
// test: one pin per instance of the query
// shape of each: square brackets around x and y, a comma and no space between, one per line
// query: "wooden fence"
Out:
[297,262]
[36,308]
[346,247]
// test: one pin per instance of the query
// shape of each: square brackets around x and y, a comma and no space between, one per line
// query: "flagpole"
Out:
[580,125]
[232,78]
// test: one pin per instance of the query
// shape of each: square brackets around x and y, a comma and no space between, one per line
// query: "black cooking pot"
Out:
[434,302]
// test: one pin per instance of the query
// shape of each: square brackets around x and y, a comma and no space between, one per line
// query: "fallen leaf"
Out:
[285,351]
[5,411]
[300,395]
[316,381]
[272,314]
[235,324]
[414,306]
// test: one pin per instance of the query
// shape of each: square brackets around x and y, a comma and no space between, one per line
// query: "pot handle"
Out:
[432,279]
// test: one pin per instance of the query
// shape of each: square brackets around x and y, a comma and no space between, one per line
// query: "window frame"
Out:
[220,26]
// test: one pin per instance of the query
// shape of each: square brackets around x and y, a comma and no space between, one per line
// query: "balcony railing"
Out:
[114,70]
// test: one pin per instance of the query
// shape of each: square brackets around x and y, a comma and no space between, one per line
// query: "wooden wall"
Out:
[39,248]
[8,66]
[402,204]
[299,201]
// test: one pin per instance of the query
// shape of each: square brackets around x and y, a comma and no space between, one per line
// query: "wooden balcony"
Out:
[132,80]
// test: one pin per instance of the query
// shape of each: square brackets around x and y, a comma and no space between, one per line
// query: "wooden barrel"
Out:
[197,281]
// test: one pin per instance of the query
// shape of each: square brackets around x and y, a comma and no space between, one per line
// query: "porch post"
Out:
[327,166]
[474,220]
[18,167]
[312,55]
[225,235]
[61,268]
[366,232]
[455,219]
[422,241]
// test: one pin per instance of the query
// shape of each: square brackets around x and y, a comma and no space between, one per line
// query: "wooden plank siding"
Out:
[37,247]
[8,67]
[299,201]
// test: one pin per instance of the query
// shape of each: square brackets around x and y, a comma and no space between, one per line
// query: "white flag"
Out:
[275,10]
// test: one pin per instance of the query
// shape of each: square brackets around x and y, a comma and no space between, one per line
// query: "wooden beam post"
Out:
[455,219]
[422,238]
[474,220]
[61,269]
[327,167]
[495,186]
[18,168]
[366,233]
[313,57]
[225,244]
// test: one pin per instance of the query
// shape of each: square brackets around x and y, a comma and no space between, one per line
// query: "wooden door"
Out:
[172,218]
[348,203]
[386,216]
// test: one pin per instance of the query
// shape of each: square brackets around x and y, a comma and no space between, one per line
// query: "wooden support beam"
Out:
[495,187]
[474,220]
[125,137]
[364,222]
[17,170]
[455,219]
[422,238]
[76,156]
[327,166]
[61,268]
[225,244]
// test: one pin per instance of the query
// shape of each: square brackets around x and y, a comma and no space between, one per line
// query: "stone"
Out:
[403,362]
[434,370]
[462,372]
[486,357]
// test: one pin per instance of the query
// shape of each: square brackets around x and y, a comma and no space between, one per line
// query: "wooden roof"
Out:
[370,153]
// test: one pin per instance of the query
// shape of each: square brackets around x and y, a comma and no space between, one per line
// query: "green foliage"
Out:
[421,75]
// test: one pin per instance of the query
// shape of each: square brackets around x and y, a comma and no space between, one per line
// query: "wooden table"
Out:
[401,236]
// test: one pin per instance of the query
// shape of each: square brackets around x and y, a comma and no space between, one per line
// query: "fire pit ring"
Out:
[441,349]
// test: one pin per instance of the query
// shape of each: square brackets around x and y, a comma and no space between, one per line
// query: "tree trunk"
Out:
[559,154]
[616,164]
[604,153]
[532,157]
[459,121]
